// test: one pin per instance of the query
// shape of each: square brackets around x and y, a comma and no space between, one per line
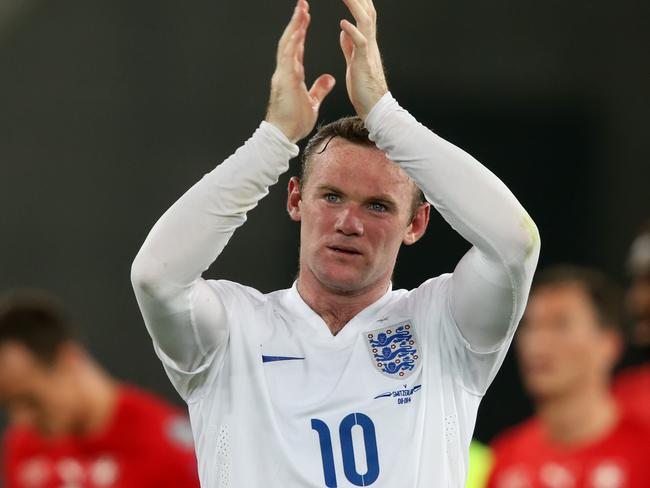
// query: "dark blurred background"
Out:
[109,110]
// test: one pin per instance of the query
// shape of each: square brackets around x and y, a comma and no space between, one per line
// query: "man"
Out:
[632,386]
[71,424]
[339,381]
[567,345]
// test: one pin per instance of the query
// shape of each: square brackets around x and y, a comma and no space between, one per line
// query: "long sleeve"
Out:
[491,282]
[184,318]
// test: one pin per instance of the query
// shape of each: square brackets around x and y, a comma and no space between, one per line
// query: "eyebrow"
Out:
[387,199]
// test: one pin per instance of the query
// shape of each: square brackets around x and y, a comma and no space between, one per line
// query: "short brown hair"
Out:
[35,319]
[604,295]
[351,129]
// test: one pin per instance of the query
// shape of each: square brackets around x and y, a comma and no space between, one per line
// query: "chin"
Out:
[543,389]
[342,281]
[342,285]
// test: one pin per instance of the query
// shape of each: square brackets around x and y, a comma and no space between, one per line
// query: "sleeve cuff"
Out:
[277,136]
[385,106]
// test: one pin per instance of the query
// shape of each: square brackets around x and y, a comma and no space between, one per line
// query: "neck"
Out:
[581,416]
[338,307]
[98,396]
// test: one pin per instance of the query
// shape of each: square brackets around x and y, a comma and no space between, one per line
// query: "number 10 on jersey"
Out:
[347,450]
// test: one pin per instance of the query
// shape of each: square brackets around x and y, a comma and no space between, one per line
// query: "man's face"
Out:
[561,345]
[638,301]
[355,211]
[34,395]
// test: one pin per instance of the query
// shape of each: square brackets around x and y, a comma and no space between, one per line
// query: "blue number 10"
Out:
[349,465]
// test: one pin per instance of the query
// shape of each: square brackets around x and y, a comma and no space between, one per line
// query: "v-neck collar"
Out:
[315,326]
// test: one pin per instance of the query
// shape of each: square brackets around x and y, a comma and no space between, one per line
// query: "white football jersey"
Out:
[286,404]
[275,399]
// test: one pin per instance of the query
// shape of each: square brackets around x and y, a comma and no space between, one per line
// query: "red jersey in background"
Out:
[524,458]
[148,444]
[632,391]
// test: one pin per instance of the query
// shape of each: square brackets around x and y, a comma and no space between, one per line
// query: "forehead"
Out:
[17,366]
[561,299]
[357,168]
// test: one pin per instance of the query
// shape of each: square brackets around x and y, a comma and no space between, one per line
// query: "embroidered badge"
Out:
[394,349]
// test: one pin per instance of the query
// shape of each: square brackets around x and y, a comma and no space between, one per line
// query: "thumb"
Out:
[346,46]
[321,88]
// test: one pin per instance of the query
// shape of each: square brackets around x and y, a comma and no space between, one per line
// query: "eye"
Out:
[378,207]
[332,198]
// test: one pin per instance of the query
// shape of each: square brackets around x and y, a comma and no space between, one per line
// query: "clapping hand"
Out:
[292,107]
[365,79]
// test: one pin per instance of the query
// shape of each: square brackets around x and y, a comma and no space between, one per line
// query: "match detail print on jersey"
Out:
[394,350]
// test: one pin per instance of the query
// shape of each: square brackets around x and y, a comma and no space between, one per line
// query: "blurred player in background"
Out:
[567,345]
[632,385]
[70,424]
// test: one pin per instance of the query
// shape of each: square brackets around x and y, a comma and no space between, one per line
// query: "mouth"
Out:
[345,250]
[536,368]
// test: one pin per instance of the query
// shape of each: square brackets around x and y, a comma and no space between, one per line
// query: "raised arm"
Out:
[184,315]
[490,284]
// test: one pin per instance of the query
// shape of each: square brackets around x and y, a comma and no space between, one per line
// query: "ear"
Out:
[293,199]
[418,225]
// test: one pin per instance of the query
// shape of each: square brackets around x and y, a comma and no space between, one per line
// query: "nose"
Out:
[536,341]
[348,222]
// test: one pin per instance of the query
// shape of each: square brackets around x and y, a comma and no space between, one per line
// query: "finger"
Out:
[289,62]
[290,52]
[298,65]
[358,11]
[359,40]
[292,26]
[347,46]
[320,89]
[372,12]
[300,54]
[301,45]
[369,7]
